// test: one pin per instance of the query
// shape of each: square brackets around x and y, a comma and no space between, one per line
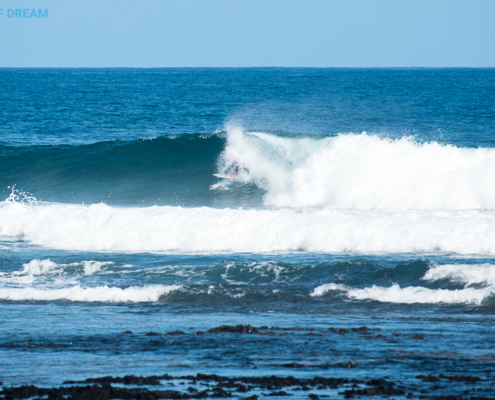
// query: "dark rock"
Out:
[200,333]
[154,334]
[313,396]
[234,329]
[242,388]
[219,392]
[293,365]
[348,364]
[127,333]
[418,337]
[281,393]
[361,329]
[462,378]
[176,333]
[428,378]
[380,387]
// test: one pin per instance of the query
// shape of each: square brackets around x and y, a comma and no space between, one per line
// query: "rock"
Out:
[293,365]
[428,378]
[176,333]
[281,393]
[200,333]
[361,329]
[234,329]
[154,334]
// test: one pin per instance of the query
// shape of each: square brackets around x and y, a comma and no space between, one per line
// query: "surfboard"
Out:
[225,176]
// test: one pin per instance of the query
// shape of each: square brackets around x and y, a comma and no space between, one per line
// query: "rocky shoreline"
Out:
[216,386]
[438,386]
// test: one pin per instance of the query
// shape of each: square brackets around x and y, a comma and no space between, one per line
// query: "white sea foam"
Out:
[40,267]
[134,294]
[48,267]
[154,229]
[463,273]
[90,267]
[410,294]
[466,274]
[364,172]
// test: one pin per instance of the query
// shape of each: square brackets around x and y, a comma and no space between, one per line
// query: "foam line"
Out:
[410,294]
[132,294]
[156,229]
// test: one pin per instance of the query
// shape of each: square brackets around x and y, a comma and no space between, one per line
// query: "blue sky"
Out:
[249,33]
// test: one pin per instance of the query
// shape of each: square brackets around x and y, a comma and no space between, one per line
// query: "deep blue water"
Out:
[366,197]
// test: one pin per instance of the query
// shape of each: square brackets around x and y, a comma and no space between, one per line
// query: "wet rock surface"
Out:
[316,354]
[202,386]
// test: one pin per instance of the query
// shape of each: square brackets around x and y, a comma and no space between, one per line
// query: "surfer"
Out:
[233,170]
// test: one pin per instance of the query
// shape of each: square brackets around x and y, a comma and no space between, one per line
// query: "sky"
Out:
[247,33]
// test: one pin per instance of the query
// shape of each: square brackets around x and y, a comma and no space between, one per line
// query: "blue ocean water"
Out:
[366,197]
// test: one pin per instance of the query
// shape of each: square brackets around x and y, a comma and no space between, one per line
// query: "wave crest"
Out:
[364,172]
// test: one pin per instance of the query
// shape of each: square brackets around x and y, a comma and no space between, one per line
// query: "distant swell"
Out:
[155,229]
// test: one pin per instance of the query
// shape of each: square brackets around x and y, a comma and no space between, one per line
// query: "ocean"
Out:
[352,255]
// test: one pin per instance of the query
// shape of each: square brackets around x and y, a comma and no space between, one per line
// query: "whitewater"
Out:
[345,194]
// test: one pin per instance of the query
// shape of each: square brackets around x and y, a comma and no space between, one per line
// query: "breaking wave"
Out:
[133,294]
[481,275]
[365,172]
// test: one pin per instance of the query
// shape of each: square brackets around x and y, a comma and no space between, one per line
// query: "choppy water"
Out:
[365,198]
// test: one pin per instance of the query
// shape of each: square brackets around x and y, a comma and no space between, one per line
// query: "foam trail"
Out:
[411,294]
[364,172]
[155,229]
[132,294]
